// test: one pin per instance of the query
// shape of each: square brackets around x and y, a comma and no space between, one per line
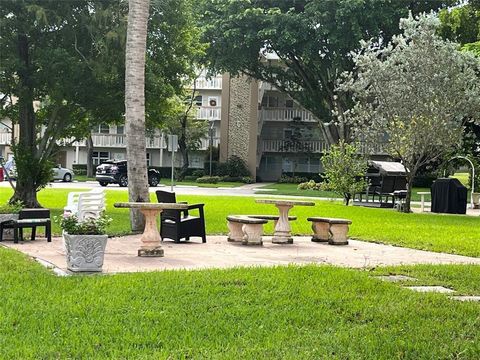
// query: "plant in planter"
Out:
[9,212]
[85,242]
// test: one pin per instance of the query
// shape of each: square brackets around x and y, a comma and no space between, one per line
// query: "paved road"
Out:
[180,189]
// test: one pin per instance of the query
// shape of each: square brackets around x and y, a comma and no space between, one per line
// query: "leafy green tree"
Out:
[344,171]
[39,62]
[312,39]
[417,92]
[179,120]
[461,24]
[68,58]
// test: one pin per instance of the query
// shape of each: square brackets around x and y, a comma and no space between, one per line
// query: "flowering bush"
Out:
[90,226]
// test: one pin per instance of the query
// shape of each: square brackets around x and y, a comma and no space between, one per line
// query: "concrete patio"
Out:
[121,254]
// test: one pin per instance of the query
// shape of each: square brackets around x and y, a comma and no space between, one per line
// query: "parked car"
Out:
[61,173]
[115,172]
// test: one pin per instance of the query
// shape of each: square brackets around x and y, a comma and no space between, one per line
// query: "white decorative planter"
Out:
[85,252]
[8,233]
[476,200]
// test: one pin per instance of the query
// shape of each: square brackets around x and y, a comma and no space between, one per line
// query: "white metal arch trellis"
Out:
[473,176]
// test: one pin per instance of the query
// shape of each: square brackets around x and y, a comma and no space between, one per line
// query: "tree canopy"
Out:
[300,46]
[68,58]
[416,92]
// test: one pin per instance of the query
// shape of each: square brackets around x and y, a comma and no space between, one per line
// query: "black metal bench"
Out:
[28,218]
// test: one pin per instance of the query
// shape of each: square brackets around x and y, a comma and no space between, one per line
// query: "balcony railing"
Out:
[206,142]
[286,114]
[313,146]
[209,113]
[118,141]
[5,138]
[203,83]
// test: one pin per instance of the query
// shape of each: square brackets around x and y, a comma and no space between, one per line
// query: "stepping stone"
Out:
[437,289]
[466,298]
[395,278]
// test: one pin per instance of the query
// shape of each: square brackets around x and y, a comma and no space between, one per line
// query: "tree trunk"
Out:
[26,190]
[182,147]
[90,168]
[135,108]
[406,206]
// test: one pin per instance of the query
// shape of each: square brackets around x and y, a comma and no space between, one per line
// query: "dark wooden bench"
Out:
[28,218]
[245,229]
[331,230]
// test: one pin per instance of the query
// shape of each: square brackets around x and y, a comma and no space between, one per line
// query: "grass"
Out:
[291,189]
[454,234]
[289,312]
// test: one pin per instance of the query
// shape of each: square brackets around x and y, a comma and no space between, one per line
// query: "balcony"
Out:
[5,138]
[202,83]
[209,113]
[313,146]
[118,141]
[286,114]
[206,142]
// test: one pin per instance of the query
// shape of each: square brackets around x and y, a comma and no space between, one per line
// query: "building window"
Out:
[287,134]
[103,129]
[148,159]
[270,101]
[118,156]
[287,165]
[196,161]
[120,130]
[289,103]
[99,157]
[198,100]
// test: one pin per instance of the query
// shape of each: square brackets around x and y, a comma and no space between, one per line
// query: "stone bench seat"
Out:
[331,230]
[245,229]
[271,217]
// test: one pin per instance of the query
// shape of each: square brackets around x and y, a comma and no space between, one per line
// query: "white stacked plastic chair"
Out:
[86,204]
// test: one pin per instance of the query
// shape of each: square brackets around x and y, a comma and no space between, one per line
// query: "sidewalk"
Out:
[121,254]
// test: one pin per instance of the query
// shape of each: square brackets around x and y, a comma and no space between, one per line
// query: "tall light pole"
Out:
[210,132]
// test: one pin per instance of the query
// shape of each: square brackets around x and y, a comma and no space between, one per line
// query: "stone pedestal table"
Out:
[151,241]
[282,234]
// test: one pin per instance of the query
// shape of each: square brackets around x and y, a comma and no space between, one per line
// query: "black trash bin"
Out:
[449,196]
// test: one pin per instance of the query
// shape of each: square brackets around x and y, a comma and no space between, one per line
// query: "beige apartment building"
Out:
[250,119]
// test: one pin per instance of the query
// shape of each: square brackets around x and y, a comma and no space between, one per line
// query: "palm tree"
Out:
[135,107]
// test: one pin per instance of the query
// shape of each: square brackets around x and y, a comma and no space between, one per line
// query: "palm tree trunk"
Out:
[138,11]
[90,167]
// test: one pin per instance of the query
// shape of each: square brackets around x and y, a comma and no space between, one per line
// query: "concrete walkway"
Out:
[121,254]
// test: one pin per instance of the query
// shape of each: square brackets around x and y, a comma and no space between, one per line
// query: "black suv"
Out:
[115,172]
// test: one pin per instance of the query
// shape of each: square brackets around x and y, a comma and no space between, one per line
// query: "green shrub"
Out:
[79,169]
[13,208]
[190,178]
[284,179]
[198,173]
[90,226]
[247,180]
[309,185]
[208,180]
[233,167]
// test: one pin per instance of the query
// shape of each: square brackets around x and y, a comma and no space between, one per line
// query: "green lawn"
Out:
[311,312]
[291,189]
[442,233]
